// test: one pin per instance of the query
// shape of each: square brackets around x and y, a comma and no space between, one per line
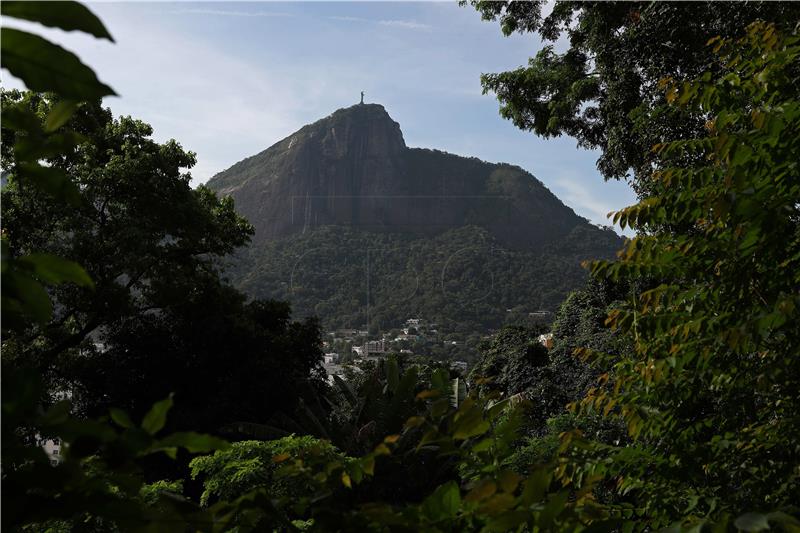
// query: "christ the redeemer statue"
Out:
[362,97]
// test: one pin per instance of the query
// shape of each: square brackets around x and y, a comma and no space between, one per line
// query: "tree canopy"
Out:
[159,319]
[709,391]
[603,89]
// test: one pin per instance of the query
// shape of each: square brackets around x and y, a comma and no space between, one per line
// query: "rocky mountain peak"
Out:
[360,131]
[353,169]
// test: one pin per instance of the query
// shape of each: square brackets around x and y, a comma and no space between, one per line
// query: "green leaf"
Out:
[752,522]
[26,295]
[789,522]
[30,148]
[552,509]
[470,424]
[345,389]
[21,119]
[440,380]
[60,114]
[508,521]
[444,503]
[536,485]
[192,442]
[45,66]
[121,418]
[65,15]
[53,270]
[51,180]
[155,419]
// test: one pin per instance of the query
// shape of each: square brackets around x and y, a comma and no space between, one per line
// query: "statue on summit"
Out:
[362,97]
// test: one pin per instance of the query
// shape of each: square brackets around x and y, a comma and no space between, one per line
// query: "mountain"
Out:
[348,219]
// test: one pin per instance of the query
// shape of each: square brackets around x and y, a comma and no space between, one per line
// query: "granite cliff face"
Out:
[354,169]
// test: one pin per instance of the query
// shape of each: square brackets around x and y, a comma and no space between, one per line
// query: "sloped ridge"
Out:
[354,169]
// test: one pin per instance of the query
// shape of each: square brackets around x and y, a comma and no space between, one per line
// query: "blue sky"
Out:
[229,79]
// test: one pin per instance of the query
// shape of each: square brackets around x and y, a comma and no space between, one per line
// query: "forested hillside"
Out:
[357,229]
[463,279]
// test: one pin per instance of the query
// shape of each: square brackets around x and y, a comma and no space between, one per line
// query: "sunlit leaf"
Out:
[443,503]
[60,114]
[44,66]
[155,419]
[65,15]
[121,418]
[51,180]
[52,270]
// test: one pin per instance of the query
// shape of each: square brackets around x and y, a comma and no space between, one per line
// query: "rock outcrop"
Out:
[354,169]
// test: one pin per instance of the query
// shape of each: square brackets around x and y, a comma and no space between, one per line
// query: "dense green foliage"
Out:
[158,320]
[95,484]
[700,367]
[78,183]
[248,465]
[691,421]
[710,391]
[511,361]
[465,444]
[603,89]
[464,280]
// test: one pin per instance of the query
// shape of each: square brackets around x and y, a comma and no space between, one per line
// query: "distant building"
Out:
[371,347]
[540,314]
[330,358]
[358,350]
[546,340]
[461,366]
[414,322]
[333,370]
[53,448]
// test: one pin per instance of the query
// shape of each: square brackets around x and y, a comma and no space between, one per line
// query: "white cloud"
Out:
[229,13]
[217,103]
[585,200]
[348,19]
[402,24]
[406,24]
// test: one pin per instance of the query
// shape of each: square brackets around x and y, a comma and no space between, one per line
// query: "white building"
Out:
[461,366]
[333,370]
[53,448]
[546,340]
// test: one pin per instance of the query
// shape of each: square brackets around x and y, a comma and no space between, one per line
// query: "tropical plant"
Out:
[97,482]
[480,493]
[709,392]
[43,66]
